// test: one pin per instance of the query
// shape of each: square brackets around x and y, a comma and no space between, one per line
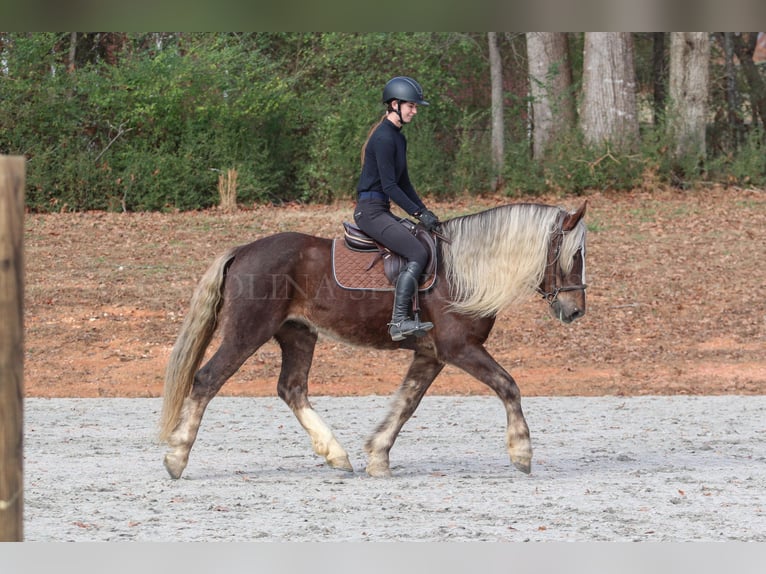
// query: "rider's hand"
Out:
[428,219]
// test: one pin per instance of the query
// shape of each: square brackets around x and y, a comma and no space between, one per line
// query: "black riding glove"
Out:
[428,219]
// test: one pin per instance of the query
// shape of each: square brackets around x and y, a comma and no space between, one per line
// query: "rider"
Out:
[384,178]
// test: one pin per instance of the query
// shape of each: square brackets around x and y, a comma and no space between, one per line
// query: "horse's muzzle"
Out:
[565,312]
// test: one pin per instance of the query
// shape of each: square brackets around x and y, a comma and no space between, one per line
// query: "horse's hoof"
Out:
[174,466]
[524,464]
[341,463]
[378,471]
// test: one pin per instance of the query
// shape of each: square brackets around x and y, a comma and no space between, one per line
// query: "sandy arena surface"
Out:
[605,469]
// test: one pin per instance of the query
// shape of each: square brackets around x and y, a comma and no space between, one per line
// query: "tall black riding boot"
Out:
[401,324]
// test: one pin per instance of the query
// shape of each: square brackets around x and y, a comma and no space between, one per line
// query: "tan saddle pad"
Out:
[364,270]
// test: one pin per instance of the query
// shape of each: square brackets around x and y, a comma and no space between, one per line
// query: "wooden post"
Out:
[12,178]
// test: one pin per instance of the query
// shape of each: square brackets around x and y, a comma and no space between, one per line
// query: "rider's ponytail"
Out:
[369,134]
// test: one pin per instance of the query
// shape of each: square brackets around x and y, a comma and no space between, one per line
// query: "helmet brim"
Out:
[418,102]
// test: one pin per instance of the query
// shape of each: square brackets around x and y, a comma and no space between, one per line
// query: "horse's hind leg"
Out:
[229,357]
[423,370]
[297,342]
[183,437]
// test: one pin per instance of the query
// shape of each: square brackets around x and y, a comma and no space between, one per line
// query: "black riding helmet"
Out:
[404,89]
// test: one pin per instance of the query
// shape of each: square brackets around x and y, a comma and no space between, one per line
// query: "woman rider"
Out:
[384,179]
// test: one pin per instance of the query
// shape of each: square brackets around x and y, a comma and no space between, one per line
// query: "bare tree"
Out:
[744,46]
[498,134]
[689,84]
[659,70]
[610,110]
[72,51]
[550,82]
[734,111]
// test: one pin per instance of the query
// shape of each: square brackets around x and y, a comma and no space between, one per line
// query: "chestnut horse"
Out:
[282,286]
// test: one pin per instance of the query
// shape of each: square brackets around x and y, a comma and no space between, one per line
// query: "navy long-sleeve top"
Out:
[385,168]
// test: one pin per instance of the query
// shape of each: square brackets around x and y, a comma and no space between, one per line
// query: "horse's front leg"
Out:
[423,370]
[297,342]
[476,361]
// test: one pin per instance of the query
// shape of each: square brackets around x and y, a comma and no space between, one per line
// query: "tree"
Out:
[735,126]
[609,109]
[659,80]
[72,51]
[550,82]
[744,47]
[498,135]
[689,77]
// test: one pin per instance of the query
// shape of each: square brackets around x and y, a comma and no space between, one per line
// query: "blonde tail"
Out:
[195,335]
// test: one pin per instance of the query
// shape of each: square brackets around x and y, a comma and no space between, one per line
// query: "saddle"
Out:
[357,259]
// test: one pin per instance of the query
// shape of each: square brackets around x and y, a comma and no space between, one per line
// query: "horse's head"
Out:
[563,284]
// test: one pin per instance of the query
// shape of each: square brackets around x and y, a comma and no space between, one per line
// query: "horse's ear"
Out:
[573,219]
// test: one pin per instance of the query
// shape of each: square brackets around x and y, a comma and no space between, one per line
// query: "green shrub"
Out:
[289,112]
[745,167]
[571,166]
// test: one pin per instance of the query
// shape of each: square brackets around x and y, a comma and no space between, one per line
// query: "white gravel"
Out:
[605,469]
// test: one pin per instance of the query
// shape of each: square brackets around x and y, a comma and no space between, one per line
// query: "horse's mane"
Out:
[498,256]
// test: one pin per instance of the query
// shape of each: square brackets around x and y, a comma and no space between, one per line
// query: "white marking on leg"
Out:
[517,440]
[183,437]
[322,438]
[380,443]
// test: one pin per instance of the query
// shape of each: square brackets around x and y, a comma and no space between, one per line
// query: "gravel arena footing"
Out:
[654,468]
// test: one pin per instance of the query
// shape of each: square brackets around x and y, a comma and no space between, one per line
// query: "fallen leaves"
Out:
[669,273]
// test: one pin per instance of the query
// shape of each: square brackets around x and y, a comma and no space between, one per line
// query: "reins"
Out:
[440,236]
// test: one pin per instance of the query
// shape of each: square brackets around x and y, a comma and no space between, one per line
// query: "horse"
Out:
[281,286]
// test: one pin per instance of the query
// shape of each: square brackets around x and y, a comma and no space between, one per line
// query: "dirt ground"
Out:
[676,301]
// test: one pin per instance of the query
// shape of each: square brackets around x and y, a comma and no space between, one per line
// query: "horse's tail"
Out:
[195,335]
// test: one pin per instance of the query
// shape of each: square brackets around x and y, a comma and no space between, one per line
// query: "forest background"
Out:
[160,121]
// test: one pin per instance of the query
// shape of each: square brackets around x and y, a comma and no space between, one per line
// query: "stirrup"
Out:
[417,329]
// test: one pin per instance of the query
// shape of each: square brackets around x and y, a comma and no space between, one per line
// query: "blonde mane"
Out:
[497,257]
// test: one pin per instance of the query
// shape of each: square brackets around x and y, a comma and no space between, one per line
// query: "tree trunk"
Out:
[550,81]
[734,113]
[72,51]
[498,135]
[744,48]
[689,84]
[659,81]
[610,109]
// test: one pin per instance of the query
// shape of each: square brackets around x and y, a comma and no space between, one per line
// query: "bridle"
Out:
[549,288]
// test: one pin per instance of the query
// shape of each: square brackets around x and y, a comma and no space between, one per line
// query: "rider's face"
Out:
[408,109]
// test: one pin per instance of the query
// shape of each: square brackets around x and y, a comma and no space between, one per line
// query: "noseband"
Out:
[550,289]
